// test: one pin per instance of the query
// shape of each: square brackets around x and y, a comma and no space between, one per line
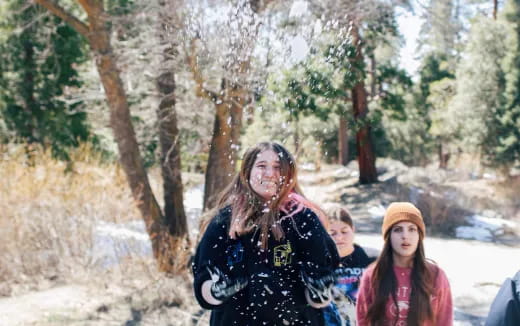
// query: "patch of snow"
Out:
[489,176]
[112,242]
[472,232]
[132,231]
[415,193]
[490,223]
[483,228]
[341,171]
[377,212]
[308,167]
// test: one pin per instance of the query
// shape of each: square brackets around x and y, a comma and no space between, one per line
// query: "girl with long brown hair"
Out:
[265,257]
[402,288]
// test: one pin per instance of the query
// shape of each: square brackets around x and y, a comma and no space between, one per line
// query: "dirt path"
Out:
[38,306]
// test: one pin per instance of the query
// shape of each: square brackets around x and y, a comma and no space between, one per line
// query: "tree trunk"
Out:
[98,34]
[225,141]
[373,81]
[443,157]
[220,169]
[343,141]
[366,156]
[229,112]
[174,213]
[495,9]
[29,104]
[163,244]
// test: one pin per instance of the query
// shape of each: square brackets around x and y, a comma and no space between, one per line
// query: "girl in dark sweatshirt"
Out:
[353,262]
[265,257]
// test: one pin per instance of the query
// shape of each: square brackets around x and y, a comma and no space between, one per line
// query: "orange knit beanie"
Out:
[402,211]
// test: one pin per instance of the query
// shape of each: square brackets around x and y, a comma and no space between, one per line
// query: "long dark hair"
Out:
[248,209]
[385,286]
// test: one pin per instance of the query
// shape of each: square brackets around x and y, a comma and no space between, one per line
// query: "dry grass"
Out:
[50,214]
[48,211]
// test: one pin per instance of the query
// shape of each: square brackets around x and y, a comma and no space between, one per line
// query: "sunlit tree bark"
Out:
[97,32]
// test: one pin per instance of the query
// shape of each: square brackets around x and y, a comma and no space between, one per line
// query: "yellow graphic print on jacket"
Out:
[282,255]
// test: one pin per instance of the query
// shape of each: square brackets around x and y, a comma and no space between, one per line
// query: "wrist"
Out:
[320,302]
[207,295]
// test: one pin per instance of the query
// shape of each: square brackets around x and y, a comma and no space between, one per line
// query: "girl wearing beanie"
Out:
[402,288]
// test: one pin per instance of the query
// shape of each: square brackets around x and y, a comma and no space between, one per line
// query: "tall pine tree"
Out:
[507,150]
[38,60]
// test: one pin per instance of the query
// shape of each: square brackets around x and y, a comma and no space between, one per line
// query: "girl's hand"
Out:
[319,289]
[223,287]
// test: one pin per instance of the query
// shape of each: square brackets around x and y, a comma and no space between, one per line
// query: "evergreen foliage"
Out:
[324,88]
[480,86]
[38,63]
[507,150]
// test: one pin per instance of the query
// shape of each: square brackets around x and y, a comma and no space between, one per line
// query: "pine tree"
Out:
[441,29]
[38,60]
[507,150]
[480,88]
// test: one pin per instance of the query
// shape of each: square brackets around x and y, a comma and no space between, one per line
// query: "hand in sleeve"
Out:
[224,287]
[211,266]
[318,290]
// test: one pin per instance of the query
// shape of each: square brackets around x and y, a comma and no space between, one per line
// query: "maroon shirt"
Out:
[441,300]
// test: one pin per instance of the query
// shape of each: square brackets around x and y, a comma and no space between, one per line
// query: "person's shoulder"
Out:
[367,273]
[219,220]
[223,215]
[359,252]
[360,257]
[305,211]
[370,269]
[303,216]
[438,273]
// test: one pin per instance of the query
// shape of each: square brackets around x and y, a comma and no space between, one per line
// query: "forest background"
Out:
[112,111]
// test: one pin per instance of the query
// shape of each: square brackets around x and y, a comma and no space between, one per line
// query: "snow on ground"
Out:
[112,241]
[484,228]
[193,202]
[377,212]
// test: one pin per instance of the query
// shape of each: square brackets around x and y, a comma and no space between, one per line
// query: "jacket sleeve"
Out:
[210,252]
[317,253]
[444,313]
[364,298]
[316,249]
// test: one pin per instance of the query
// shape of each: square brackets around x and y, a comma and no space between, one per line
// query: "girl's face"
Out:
[343,236]
[404,238]
[265,174]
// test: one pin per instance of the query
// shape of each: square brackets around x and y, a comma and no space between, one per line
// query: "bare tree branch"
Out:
[77,24]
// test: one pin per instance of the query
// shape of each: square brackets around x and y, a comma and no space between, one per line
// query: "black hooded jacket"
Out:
[275,291]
